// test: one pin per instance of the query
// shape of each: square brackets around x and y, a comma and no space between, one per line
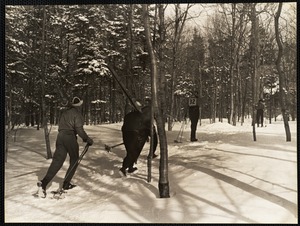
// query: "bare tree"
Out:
[254,59]
[236,24]
[180,19]
[163,167]
[282,78]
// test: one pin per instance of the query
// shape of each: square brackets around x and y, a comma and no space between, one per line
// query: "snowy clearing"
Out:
[225,177]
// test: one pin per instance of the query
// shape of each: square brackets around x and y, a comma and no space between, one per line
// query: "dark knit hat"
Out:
[76,102]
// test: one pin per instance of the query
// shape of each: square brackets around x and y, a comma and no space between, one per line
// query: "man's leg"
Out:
[194,116]
[262,118]
[193,129]
[73,150]
[138,147]
[59,157]
[129,139]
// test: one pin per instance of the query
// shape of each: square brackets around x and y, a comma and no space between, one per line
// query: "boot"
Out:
[132,169]
[68,185]
[193,136]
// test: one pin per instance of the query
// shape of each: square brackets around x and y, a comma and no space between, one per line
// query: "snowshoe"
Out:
[59,194]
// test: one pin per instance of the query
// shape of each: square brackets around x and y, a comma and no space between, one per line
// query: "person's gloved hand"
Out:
[90,141]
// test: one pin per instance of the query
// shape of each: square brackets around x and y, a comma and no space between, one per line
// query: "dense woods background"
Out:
[225,52]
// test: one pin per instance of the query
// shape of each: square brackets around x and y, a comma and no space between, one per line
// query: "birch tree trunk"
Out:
[163,183]
[282,78]
[45,126]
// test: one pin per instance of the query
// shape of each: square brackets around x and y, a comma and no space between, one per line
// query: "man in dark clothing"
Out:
[260,113]
[70,124]
[135,130]
[194,115]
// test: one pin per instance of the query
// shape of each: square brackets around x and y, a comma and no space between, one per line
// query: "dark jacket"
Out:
[260,105]
[136,121]
[193,109]
[133,121]
[72,120]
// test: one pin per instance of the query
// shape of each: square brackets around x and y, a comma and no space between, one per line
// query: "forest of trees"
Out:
[215,60]
[61,48]
[233,56]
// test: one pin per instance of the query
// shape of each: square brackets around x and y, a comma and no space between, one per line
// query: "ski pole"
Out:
[86,148]
[180,133]
[108,148]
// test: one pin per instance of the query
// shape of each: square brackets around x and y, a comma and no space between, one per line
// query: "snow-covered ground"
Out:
[225,177]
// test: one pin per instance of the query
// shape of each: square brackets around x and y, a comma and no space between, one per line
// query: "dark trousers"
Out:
[134,142]
[260,117]
[66,143]
[194,117]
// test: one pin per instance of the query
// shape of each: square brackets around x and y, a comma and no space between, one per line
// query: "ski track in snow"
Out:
[225,177]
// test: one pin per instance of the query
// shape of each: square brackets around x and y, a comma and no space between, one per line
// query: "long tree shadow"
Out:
[226,210]
[254,177]
[141,180]
[290,206]
[36,151]
[104,164]
[243,138]
[255,155]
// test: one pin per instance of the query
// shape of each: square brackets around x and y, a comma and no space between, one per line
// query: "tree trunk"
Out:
[243,114]
[163,184]
[200,95]
[214,97]
[254,41]
[8,121]
[45,126]
[232,66]
[282,84]
[160,44]
[129,54]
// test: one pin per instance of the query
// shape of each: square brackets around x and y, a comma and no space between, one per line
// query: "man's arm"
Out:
[80,131]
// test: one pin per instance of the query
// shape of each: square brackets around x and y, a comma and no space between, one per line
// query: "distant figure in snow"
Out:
[194,114]
[260,112]
[136,130]
[70,124]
